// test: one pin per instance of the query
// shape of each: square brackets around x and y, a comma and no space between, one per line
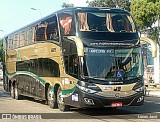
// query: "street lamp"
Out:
[37,10]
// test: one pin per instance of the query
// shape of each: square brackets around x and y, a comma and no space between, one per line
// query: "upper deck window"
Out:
[66,24]
[108,22]
[47,30]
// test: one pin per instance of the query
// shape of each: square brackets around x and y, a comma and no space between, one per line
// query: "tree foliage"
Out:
[154,34]
[124,4]
[145,12]
[66,5]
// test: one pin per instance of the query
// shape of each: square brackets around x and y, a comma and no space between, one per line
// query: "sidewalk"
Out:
[152,90]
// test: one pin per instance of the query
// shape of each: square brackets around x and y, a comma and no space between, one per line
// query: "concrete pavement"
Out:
[153,91]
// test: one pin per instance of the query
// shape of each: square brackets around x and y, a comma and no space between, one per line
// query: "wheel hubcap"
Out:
[50,96]
[60,99]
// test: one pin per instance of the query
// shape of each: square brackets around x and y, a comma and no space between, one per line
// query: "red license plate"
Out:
[116,104]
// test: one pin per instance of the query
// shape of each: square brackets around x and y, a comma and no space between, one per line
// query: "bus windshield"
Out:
[112,64]
[106,22]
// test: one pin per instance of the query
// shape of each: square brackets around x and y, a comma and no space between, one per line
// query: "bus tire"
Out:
[60,101]
[51,98]
[17,96]
[12,91]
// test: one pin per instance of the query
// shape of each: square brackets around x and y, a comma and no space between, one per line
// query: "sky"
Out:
[15,14]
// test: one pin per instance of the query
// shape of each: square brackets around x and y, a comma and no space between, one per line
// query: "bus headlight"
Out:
[86,89]
[139,86]
[139,89]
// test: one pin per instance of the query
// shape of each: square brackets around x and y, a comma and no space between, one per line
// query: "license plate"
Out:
[116,104]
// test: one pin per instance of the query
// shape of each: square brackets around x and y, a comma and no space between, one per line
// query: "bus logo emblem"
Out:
[117,95]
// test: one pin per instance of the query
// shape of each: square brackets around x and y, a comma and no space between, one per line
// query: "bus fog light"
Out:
[88,101]
[140,99]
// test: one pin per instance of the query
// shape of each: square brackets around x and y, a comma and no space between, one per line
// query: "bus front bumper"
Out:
[85,100]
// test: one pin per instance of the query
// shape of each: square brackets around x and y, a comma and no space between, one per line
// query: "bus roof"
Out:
[71,10]
[91,8]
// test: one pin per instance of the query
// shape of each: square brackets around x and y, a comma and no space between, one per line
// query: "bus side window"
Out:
[22,39]
[54,68]
[52,29]
[40,34]
[15,41]
[83,21]
[30,35]
[75,66]
[71,65]
[70,57]
[66,24]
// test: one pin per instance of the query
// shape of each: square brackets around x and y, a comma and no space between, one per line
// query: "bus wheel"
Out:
[17,96]
[51,98]
[12,91]
[60,101]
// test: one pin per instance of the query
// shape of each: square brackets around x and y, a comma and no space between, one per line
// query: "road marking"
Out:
[149,101]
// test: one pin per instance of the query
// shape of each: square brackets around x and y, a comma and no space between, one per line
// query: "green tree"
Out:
[154,34]
[124,4]
[145,12]
[66,5]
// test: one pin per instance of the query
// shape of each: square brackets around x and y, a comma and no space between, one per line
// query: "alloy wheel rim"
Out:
[50,96]
[60,99]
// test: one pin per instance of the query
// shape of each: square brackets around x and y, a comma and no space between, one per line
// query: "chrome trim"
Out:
[113,93]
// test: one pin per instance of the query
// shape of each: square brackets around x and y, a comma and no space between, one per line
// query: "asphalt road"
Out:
[29,108]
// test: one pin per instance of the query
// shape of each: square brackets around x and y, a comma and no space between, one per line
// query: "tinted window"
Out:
[47,30]
[70,58]
[107,22]
[52,29]
[66,24]
[41,67]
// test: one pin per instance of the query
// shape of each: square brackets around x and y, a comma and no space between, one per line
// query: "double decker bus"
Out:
[76,57]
